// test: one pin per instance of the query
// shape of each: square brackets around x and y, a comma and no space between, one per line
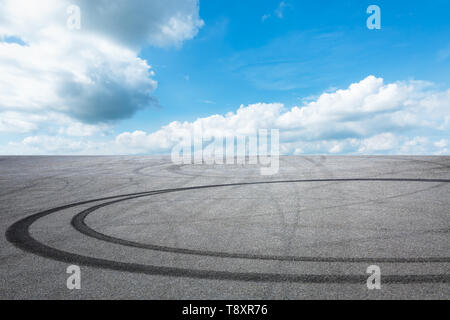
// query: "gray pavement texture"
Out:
[155,230]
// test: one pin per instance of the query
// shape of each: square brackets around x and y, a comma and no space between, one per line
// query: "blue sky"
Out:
[239,59]
[286,52]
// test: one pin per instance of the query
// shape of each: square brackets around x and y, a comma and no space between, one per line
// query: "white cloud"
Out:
[92,75]
[278,12]
[381,142]
[15,122]
[78,129]
[442,143]
[130,22]
[369,117]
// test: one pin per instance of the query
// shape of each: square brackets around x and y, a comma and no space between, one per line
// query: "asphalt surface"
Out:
[144,228]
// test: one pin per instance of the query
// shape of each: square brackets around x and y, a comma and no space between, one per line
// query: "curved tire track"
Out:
[18,234]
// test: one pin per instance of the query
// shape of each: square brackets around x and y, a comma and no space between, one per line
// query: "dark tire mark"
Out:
[18,234]
[79,223]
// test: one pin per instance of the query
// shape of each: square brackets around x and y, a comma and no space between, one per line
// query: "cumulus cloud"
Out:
[157,22]
[92,75]
[369,117]
[130,22]
[102,82]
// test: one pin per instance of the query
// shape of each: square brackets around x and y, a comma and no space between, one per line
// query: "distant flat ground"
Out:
[144,228]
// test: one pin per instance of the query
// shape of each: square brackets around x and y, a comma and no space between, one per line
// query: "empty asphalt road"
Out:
[144,228]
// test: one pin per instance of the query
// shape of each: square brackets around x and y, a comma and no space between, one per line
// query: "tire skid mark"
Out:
[18,234]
